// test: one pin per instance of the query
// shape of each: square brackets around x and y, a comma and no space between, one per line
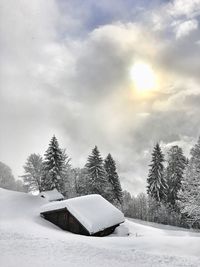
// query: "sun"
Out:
[143,76]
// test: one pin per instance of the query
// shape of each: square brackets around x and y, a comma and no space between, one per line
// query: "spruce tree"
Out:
[113,179]
[96,174]
[66,175]
[53,167]
[156,182]
[189,194]
[174,173]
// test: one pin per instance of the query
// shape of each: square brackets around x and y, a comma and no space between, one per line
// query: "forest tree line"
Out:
[173,182]
[173,189]
[54,171]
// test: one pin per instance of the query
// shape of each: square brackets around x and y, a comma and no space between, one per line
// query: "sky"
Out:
[65,70]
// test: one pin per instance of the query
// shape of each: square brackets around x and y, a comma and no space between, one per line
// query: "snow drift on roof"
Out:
[93,211]
[52,195]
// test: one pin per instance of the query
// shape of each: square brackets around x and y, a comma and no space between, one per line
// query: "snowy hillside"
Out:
[26,240]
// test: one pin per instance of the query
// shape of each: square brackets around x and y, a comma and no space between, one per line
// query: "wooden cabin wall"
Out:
[65,220]
[106,231]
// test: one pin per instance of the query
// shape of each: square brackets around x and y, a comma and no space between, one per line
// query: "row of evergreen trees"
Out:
[103,178]
[164,183]
[190,188]
[54,171]
[173,182]
[174,185]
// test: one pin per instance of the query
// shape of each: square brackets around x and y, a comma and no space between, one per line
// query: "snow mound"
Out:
[52,195]
[121,230]
[93,211]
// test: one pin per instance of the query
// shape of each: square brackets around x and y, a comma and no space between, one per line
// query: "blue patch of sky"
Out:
[92,14]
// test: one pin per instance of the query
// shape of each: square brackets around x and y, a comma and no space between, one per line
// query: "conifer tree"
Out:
[189,194]
[174,173]
[96,174]
[113,179]
[53,167]
[66,174]
[156,182]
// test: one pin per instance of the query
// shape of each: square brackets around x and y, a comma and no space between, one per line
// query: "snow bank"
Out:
[121,230]
[93,211]
[52,195]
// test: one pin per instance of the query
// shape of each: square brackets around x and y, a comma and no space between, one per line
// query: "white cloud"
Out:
[189,8]
[79,88]
[183,29]
[185,142]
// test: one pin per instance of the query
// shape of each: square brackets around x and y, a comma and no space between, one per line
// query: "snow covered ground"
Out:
[26,240]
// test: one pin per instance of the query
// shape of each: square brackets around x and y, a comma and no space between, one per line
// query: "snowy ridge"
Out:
[93,211]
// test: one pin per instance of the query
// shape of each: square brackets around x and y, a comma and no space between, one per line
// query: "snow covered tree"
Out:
[65,174]
[7,179]
[113,179]
[142,206]
[33,169]
[174,173]
[20,186]
[70,183]
[190,189]
[53,167]
[156,182]
[153,207]
[81,181]
[128,204]
[96,174]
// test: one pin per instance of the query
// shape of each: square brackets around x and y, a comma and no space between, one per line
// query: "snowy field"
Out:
[26,240]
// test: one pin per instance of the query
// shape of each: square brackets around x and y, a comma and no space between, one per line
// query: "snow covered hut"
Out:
[52,195]
[90,215]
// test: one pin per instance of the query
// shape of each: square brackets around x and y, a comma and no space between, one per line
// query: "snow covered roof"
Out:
[93,211]
[52,195]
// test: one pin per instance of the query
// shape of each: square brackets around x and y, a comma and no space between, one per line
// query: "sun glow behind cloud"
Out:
[76,64]
[143,76]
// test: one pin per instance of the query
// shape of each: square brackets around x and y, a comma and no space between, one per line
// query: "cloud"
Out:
[26,29]
[184,7]
[65,71]
[184,28]
[80,17]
